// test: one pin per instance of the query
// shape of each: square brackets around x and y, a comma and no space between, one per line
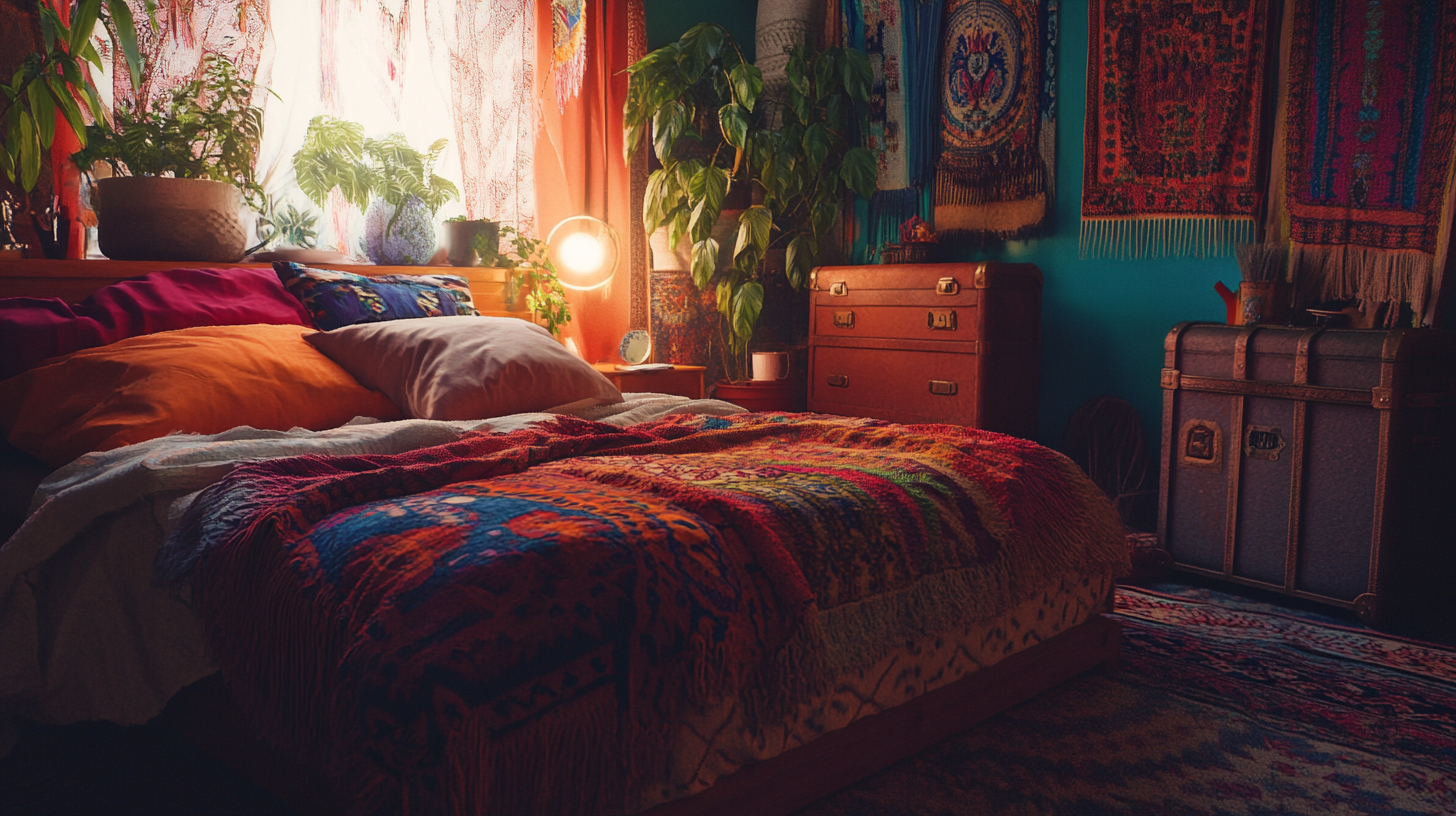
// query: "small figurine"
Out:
[915,231]
[9,247]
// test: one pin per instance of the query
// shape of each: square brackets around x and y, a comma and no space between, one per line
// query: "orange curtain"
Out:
[579,165]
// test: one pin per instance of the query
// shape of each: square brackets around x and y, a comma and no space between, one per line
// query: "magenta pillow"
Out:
[465,367]
[36,329]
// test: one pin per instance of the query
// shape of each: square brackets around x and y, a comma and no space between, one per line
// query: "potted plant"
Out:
[389,177]
[460,235]
[54,81]
[701,103]
[531,271]
[180,172]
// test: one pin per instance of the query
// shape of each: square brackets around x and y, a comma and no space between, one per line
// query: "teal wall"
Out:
[1103,320]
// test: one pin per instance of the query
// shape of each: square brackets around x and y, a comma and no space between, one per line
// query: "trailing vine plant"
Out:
[545,295]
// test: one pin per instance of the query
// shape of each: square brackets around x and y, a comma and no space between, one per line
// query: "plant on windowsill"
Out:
[701,104]
[54,81]
[529,269]
[193,153]
[389,177]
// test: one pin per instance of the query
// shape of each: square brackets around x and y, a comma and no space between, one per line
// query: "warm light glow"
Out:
[581,253]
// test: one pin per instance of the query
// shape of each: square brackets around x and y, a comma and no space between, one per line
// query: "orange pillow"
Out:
[200,380]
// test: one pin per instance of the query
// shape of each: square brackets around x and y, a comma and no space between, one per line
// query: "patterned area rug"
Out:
[1223,706]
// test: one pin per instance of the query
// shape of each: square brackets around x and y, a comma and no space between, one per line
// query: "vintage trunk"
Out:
[953,343]
[1316,463]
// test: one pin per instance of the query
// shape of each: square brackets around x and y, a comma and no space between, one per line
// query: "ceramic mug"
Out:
[770,365]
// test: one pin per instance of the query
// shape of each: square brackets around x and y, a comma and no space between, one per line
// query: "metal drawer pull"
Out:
[941,320]
[942,388]
[838,289]
[947,286]
[839,380]
[844,320]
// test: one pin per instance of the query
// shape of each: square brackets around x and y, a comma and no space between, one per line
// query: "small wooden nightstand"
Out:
[682,380]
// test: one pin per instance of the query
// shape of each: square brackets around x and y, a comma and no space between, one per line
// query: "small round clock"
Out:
[636,347]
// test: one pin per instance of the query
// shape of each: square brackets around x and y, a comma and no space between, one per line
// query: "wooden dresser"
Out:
[955,343]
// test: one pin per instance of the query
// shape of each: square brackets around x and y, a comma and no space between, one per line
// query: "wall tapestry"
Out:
[901,38]
[1172,157]
[1369,139]
[997,118]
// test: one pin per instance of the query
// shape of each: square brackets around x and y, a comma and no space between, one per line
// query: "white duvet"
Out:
[85,633]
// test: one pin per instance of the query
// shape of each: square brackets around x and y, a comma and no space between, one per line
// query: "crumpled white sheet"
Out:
[85,632]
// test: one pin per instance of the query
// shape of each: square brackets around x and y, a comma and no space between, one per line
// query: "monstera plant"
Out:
[702,105]
[389,177]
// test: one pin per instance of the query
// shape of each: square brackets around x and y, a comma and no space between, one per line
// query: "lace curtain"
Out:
[425,68]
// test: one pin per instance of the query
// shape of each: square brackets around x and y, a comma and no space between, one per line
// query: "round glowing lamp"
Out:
[585,251]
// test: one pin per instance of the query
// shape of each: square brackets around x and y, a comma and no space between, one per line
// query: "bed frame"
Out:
[206,715]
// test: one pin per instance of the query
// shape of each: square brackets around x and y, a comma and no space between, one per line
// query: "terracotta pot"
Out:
[149,218]
[756,395]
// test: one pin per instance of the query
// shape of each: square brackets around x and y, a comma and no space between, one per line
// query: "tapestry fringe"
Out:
[888,210]
[1374,277]
[1163,237]
[963,180]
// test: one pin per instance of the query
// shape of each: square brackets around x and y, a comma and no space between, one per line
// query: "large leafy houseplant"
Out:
[54,80]
[207,128]
[703,107]
[394,181]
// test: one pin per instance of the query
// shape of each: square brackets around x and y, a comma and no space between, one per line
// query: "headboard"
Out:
[74,280]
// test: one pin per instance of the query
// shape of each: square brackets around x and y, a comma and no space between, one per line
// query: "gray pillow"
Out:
[465,367]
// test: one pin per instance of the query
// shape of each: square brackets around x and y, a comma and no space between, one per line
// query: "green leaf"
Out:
[666,126]
[66,104]
[634,138]
[725,298]
[83,22]
[826,209]
[708,189]
[733,119]
[798,70]
[29,152]
[754,226]
[88,53]
[747,83]
[824,74]
[858,76]
[799,260]
[48,26]
[43,110]
[700,46]
[705,262]
[747,305]
[816,146]
[801,106]
[858,170]
[838,114]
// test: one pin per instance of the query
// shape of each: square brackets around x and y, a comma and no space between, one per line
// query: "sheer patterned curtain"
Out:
[426,68]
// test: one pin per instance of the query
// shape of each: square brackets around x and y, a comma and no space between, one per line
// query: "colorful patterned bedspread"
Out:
[512,622]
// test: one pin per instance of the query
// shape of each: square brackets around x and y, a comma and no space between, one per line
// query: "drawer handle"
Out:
[942,388]
[844,320]
[839,380]
[838,289]
[947,286]
[941,320]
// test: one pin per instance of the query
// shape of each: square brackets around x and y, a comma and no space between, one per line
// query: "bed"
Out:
[681,609]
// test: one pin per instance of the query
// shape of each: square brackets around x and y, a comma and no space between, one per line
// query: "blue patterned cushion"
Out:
[335,299]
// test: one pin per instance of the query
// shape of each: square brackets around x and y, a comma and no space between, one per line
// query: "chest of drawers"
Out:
[954,343]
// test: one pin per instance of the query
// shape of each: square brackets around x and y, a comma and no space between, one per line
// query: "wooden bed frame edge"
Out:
[205,715]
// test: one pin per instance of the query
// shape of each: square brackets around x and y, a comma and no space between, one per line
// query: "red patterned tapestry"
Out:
[997,118]
[1369,138]
[1173,161]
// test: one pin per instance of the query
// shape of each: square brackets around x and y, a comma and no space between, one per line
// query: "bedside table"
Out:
[681,380]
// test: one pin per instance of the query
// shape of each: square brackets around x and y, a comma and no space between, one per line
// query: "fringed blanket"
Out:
[997,118]
[1173,161]
[457,633]
[1370,132]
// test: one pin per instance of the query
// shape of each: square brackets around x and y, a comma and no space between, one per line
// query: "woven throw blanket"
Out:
[997,118]
[1172,158]
[509,623]
[1370,133]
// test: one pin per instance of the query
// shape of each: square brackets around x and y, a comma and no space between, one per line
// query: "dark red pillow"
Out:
[36,329]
